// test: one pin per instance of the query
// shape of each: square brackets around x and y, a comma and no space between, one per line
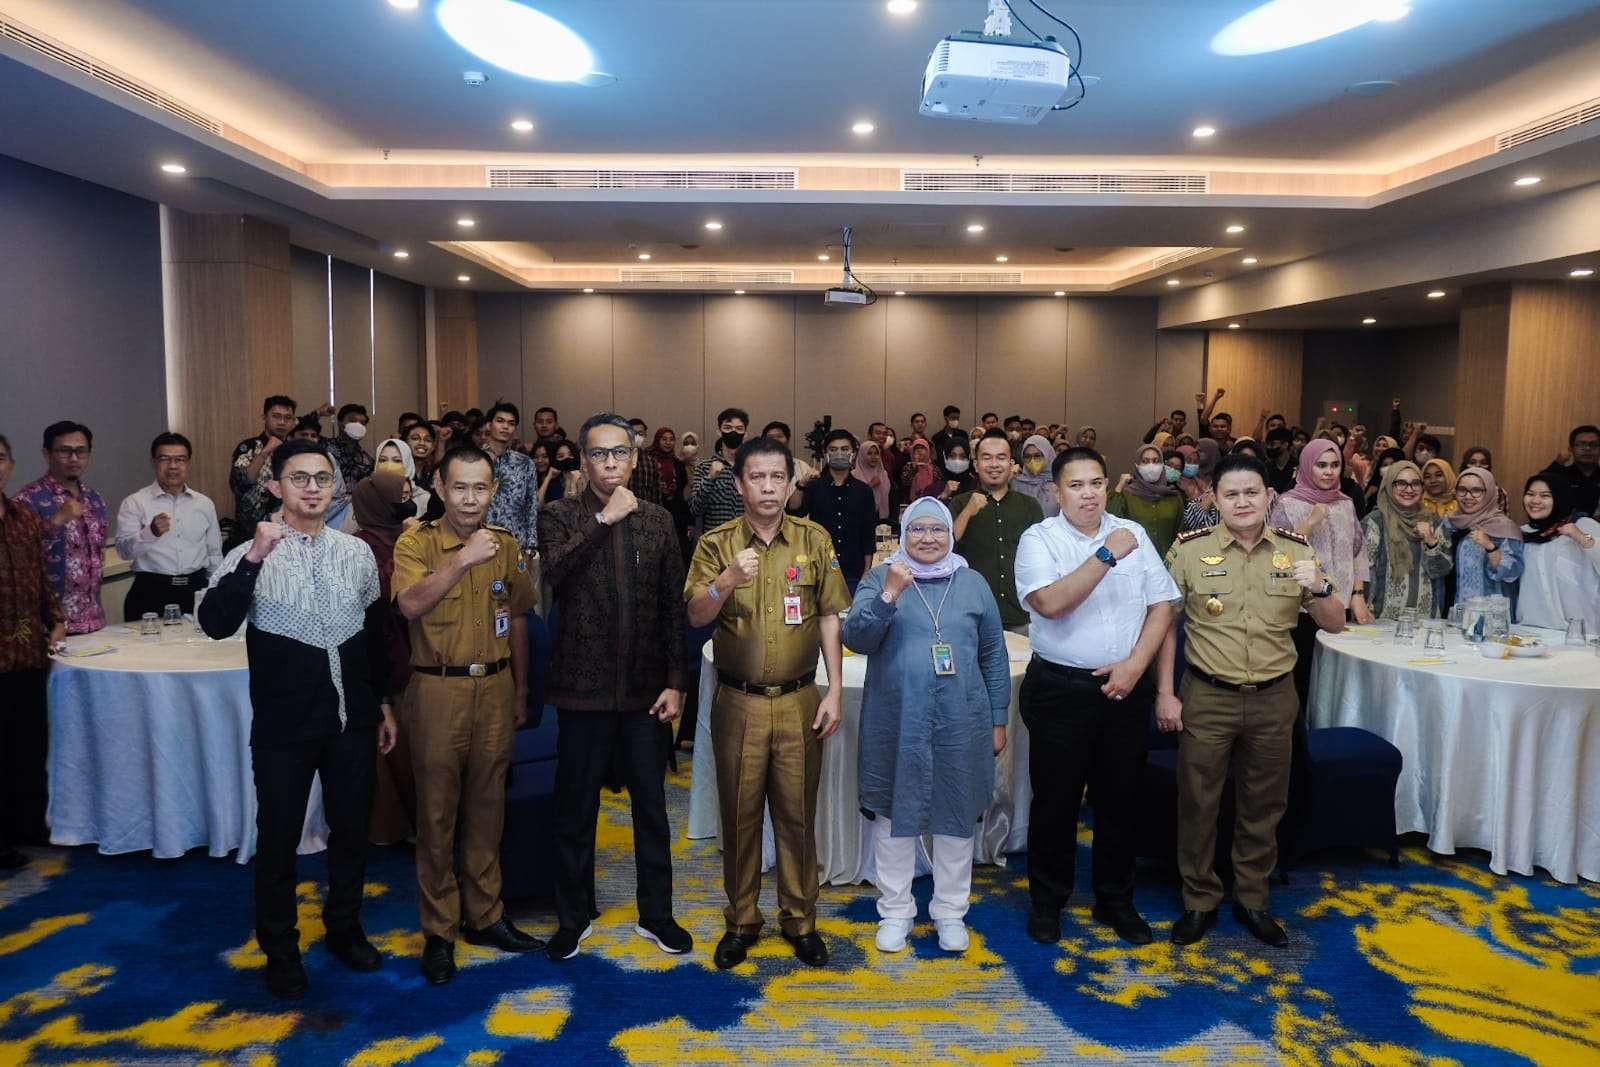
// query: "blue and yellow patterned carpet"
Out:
[132,960]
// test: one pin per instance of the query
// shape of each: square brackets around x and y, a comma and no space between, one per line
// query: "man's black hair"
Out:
[61,429]
[290,449]
[461,454]
[775,424]
[503,405]
[760,446]
[278,400]
[1239,461]
[1282,433]
[170,438]
[595,421]
[734,413]
[1572,438]
[1076,454]
[839,433]
[1432,442]
[351,409]
[951,409]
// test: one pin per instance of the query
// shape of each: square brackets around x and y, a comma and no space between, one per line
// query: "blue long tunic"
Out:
[1474,576]
[927,745]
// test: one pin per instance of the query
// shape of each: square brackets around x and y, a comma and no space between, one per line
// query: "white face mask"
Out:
[638,440]
[956,466]
[355,430]
[1423,455]
[1152,472]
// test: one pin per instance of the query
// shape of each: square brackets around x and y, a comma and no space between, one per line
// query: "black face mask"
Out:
[406,509]
[565,463]
[732,440]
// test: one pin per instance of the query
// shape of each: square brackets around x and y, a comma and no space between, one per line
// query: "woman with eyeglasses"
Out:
[1561,559]
[1488,548]
[1407,552]
[933,718]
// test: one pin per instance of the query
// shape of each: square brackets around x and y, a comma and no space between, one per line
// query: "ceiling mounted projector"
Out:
[990,79]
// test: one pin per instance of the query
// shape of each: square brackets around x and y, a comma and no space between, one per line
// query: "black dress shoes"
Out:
[731,949]
[1044,925]
[354,950]
[1193,926]
[503,936]
[1125,920]
[438,959]
[286,977]
[1262,924]
[809,949]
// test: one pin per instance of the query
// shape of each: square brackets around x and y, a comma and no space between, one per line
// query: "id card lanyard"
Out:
[944,657]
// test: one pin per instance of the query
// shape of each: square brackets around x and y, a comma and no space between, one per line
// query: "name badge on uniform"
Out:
[502,622]
[944,660]
[791,610]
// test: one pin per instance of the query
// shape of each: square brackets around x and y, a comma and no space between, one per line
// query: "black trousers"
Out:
[347,763]
[1077,736]
[585,747]
[153,592]
[24,747]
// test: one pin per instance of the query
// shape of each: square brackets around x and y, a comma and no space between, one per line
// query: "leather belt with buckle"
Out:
[1234,687]
[471,670]
[768,691]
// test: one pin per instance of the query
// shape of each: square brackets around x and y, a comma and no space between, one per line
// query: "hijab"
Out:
[874,474]
[1447,499]
[1487,516]
[1400,522]
[929,472]
[1207,453]
[1037,485]
[665,461]
[928,507]
[1148,491]
[1160,440]
[408,462]
[689,437]
[375,501]
[1305,486]
[1539,531]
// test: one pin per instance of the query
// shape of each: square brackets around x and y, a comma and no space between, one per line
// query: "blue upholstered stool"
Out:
[1347,799]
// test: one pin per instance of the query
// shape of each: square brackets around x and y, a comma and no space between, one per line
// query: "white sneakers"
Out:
[892,934]
[952,935]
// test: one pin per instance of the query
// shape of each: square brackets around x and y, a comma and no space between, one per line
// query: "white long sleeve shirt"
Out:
[192,543]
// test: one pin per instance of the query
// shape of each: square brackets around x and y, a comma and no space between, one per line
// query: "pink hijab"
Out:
[1305,487]
[874,474]
[1488,517]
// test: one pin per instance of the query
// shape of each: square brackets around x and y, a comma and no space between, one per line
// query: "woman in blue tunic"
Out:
[933,718]
[1488,544]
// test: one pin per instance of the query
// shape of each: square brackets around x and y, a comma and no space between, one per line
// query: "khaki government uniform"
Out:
[766,751]
[460,728]
[1240,610]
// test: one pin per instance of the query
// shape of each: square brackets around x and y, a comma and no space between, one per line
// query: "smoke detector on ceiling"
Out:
[474,77]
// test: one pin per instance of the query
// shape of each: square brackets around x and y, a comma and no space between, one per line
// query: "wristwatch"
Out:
[1327,589]
[1106,556]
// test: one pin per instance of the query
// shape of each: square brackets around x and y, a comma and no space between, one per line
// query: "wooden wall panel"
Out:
[455,347]
[749,360]
[500,370]
[308,312]
[658,357]
[1550,381]
[1111,373]
[930,352]
[839,364]
[1481,366]
[1180,371]
[352,337]
[397,337]
[1260,369]
[1021,359]
[566,355]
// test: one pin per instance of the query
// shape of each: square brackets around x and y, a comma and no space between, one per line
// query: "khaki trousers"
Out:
[767,754]
[1254,733]
[460,730]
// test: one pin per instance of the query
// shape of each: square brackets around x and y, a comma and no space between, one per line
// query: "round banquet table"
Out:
[844,835]
[1502,755]
[150,746]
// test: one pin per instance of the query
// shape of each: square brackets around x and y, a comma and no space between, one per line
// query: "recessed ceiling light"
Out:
[1235,228]
[713,225]
[1249,261]
[1280,24]
[1580,272]
[401,253]
[517,38]
[521,125]
[1369,321]
[1061,292]
[174,168]
[1528,179]
[1002,259]
[1233,325]
[1435,294]
[974,227]
[1375,87]
[404,5]
[901,7]
[823,258]
[644,255]
[899,292]
[1173,281]
[1205,131]
[862,128]
[463,277]
[738,292]
[466,223]
[588,290]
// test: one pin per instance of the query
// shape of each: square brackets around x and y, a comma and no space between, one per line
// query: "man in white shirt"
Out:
[1100,601]
[169,532]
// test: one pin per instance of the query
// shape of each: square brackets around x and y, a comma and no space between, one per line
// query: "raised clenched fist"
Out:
[481,547]
[1121,542]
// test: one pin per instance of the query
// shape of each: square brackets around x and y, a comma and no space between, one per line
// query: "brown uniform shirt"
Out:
[1240,607]
[460,630]
[752,641]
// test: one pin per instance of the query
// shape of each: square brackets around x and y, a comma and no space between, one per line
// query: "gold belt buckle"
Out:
[1248,688]
[477,670]
[772,691]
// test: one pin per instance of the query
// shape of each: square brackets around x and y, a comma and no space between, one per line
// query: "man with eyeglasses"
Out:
[1580,466]
[75,522]
[319,677]
[169,532]
[617,678]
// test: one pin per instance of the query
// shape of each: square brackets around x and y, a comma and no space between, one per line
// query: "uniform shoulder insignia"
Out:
[1290,535]
[1189,535]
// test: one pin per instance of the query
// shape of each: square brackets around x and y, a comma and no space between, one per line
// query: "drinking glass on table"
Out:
[1456,611]
[172,615]
[149,625]
[1405,630]
[1433,639]
[1577,632]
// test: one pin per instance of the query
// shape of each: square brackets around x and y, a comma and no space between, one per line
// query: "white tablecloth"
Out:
[844,835]
[150,747]
[1502,755]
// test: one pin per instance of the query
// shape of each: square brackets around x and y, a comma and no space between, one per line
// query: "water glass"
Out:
[1456,611]
[172,615]
[1433,635]
[1405,631]
[149,625]
[1577,632]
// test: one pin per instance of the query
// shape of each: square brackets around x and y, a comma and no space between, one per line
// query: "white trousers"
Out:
[895,861]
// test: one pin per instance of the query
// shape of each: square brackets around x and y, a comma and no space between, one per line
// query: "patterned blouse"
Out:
[1474,576]
[1337,539]
[74,551]
[29,609]
[1395,583]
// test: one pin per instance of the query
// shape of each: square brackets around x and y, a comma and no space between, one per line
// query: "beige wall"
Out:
[677,360]
[1259,369]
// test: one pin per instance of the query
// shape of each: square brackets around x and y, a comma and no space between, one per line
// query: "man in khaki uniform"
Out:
[1243,585]
[772,583]
[464,586]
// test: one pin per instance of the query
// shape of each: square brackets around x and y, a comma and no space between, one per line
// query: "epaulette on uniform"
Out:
[1190,535]
[1290,535]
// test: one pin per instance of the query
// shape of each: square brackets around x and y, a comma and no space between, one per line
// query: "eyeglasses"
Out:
[301,479]
[1464,491]
[620,453]
[1586,445]
[172,461]
[80,452]
[937,533]
[1409,483]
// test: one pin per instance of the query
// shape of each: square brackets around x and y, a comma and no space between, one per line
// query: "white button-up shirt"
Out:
[193,542]
[1104,628]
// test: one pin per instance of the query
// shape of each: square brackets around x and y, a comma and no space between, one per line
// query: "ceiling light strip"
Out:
[1077,183]
[569,178]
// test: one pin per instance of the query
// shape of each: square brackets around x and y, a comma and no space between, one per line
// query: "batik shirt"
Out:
[252,501]
[516,499]
[354,462]
[74,551]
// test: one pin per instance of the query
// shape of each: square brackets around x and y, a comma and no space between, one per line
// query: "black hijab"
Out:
[1538,531]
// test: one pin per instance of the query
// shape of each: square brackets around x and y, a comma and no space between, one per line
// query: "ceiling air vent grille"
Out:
[704,276]
[551,178]
[1177,256]
[1576,115]
[940,277]
[1075,184]
[12,30]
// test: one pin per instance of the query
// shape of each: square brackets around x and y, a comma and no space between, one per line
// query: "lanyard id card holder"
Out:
[944,655]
